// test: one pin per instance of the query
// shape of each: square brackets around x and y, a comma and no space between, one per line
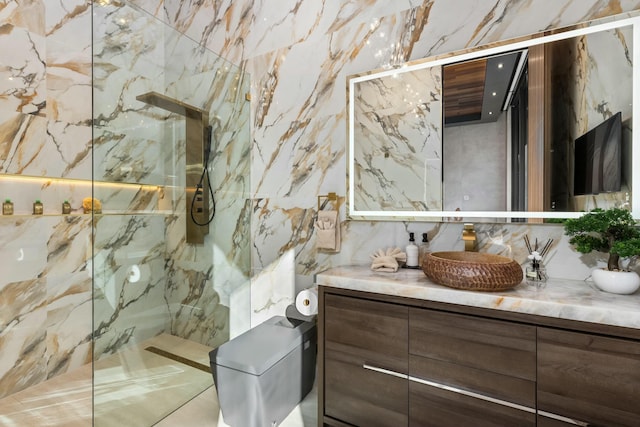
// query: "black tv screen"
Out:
[598,158]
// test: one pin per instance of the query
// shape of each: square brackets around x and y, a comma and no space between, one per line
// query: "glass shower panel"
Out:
[162,302]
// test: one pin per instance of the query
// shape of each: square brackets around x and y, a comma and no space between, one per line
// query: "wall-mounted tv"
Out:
[598,158]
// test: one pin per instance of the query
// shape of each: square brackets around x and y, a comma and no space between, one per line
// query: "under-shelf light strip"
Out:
[75,181]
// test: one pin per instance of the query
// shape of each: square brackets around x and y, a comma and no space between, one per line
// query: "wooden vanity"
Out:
[398,350]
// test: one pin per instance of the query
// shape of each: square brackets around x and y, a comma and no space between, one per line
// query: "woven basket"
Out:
[472,270]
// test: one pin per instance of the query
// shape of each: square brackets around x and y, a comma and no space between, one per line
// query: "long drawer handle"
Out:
[473,394]
[565,419]
[385,371]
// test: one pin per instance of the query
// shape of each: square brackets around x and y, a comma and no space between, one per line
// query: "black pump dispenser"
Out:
[423,249]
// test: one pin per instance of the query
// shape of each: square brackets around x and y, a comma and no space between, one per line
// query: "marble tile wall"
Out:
[299,60]
[45,299]
[45,281]
[299,55]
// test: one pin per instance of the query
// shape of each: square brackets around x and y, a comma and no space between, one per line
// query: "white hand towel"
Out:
[385,263]
[387,260]
[328,231]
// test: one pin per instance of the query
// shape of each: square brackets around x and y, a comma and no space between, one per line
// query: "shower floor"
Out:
[135,387]
[163,382]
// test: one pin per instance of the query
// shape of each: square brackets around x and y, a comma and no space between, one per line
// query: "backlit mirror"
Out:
[531,129]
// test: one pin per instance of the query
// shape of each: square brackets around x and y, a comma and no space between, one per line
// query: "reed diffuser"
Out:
[536,273]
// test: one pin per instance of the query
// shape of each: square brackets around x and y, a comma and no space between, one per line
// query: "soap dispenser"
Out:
[412,253]
[423,250]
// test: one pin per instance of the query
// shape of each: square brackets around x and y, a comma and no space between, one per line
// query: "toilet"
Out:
[261,375]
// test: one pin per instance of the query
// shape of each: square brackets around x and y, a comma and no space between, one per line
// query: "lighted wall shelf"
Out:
[79,181]
[124,213]
[119,198]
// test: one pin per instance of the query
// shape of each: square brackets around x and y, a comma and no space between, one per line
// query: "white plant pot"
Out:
[616,282]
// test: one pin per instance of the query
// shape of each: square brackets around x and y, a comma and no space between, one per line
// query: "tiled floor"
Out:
[204,410]
[135,388]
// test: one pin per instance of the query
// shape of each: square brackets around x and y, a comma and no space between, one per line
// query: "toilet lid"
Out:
[260,348]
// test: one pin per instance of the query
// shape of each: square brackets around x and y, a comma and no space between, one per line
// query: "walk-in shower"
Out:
[156,93]
[107,316]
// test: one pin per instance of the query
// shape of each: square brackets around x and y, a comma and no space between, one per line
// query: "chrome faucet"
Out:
[469,237]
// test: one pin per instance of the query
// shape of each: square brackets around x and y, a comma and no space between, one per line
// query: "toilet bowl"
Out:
[261,375]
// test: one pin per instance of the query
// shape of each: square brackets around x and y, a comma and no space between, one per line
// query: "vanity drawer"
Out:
[466,370]
[500,347]
[588,378]
[365,361]
[504,389]
[375,332]
[363,397]
[431,406]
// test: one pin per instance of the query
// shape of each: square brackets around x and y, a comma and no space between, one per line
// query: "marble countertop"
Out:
[564,299]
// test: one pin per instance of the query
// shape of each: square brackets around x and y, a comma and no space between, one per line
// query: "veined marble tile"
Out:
[26,15]
[202,280]
[129,280]
[64,17]
[296,21]
[47,327]
[69,293]
[478,22]
[363,239]
[316,159]
[69,306]
[129,59]
[22,48]
[196,310]
[261,28]
[16,156]
[269,216]
[36,146]
[22,336]
[23,243]
[273,289]
[68,61]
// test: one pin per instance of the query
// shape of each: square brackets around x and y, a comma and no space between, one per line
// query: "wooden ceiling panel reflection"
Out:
[463,86]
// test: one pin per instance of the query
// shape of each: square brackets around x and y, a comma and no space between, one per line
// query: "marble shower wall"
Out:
[147,279]
[227,284]
[45,283]
[187,290]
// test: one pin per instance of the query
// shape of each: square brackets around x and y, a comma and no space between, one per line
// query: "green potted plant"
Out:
[612,231]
